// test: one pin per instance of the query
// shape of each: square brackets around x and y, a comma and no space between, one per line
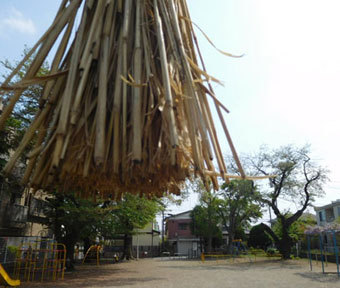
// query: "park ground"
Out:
[167,273]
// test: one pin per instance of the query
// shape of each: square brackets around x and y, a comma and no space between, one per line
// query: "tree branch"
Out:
[267,229]
[299,213]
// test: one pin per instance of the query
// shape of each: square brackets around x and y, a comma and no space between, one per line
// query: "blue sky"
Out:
[285,90]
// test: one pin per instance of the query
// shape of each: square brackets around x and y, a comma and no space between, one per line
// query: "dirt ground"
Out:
[167,273]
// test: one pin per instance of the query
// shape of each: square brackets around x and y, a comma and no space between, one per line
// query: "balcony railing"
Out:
[16,215]
[37,207]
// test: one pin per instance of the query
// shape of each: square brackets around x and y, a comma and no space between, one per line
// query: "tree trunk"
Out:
[127,253]
[285,244]
[209,243]
[70,243]
[231,237]
[87,244]
[285,249]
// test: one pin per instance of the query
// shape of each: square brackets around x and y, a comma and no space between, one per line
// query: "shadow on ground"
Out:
[97,282]
[87,276]
[234,266]
[320,277]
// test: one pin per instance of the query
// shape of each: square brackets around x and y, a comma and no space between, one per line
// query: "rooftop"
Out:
[332,204]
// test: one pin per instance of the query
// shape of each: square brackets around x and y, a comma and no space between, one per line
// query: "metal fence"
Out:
[10,245]
[191,254]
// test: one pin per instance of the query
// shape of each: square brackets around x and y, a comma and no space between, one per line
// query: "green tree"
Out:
[297,180]
[258,238]
[28,103]
[9,137]
[133,212]
[18,122]
[205,217]
[73,219]
[204,225]
[239,204]
[297,229]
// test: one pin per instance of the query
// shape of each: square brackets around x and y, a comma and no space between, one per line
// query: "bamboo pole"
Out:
[67,95]
[126,89]
[116,110]
[99,149]
[41,55]
[137,95]
[125,36]
[217,106]
[166,79]
[212,173]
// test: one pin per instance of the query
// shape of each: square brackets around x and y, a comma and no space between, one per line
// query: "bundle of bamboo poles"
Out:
[125,105]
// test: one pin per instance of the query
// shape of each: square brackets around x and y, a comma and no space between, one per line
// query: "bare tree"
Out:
[298,180]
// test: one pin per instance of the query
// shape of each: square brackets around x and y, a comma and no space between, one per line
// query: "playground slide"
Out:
[6,280]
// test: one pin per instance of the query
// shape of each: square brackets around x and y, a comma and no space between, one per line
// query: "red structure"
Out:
[179,228]
[180,237]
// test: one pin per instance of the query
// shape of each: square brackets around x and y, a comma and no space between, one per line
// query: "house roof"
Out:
[177,216]
[332,204]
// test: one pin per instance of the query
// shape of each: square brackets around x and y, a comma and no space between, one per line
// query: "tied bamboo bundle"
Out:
[124,107]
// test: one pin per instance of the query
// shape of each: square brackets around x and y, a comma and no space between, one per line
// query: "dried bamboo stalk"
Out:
[166,80]
[126,90]
[137,95]
[125,34]
[99,149]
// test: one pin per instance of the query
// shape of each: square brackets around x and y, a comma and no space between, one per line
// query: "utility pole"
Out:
[162,231]
[137,244]
[152,240]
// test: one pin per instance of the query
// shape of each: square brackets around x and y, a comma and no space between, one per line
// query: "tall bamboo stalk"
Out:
[124,107]
[137,95]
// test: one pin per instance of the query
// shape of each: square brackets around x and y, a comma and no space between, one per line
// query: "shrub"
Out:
[272,251]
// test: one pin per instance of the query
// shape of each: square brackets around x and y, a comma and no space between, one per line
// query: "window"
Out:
[321,216]
[338,211]
[183,226]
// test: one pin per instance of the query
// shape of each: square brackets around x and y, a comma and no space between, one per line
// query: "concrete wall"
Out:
[144,236]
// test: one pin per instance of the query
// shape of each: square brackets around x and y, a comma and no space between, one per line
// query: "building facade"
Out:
[22,215]
[146,241]
[328,213]
[22,220]
[179,235]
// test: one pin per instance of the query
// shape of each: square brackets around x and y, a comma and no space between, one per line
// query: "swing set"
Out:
[323,236]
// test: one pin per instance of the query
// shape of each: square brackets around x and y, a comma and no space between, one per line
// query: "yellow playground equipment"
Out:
[40,260]
[93,253]
[5,280]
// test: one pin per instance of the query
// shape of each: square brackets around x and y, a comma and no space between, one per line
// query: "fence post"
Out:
[309,252]
[5,257]
[202,257]
[321,251]
[336,251]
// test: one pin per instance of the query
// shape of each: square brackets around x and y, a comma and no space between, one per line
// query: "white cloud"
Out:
[16,21]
